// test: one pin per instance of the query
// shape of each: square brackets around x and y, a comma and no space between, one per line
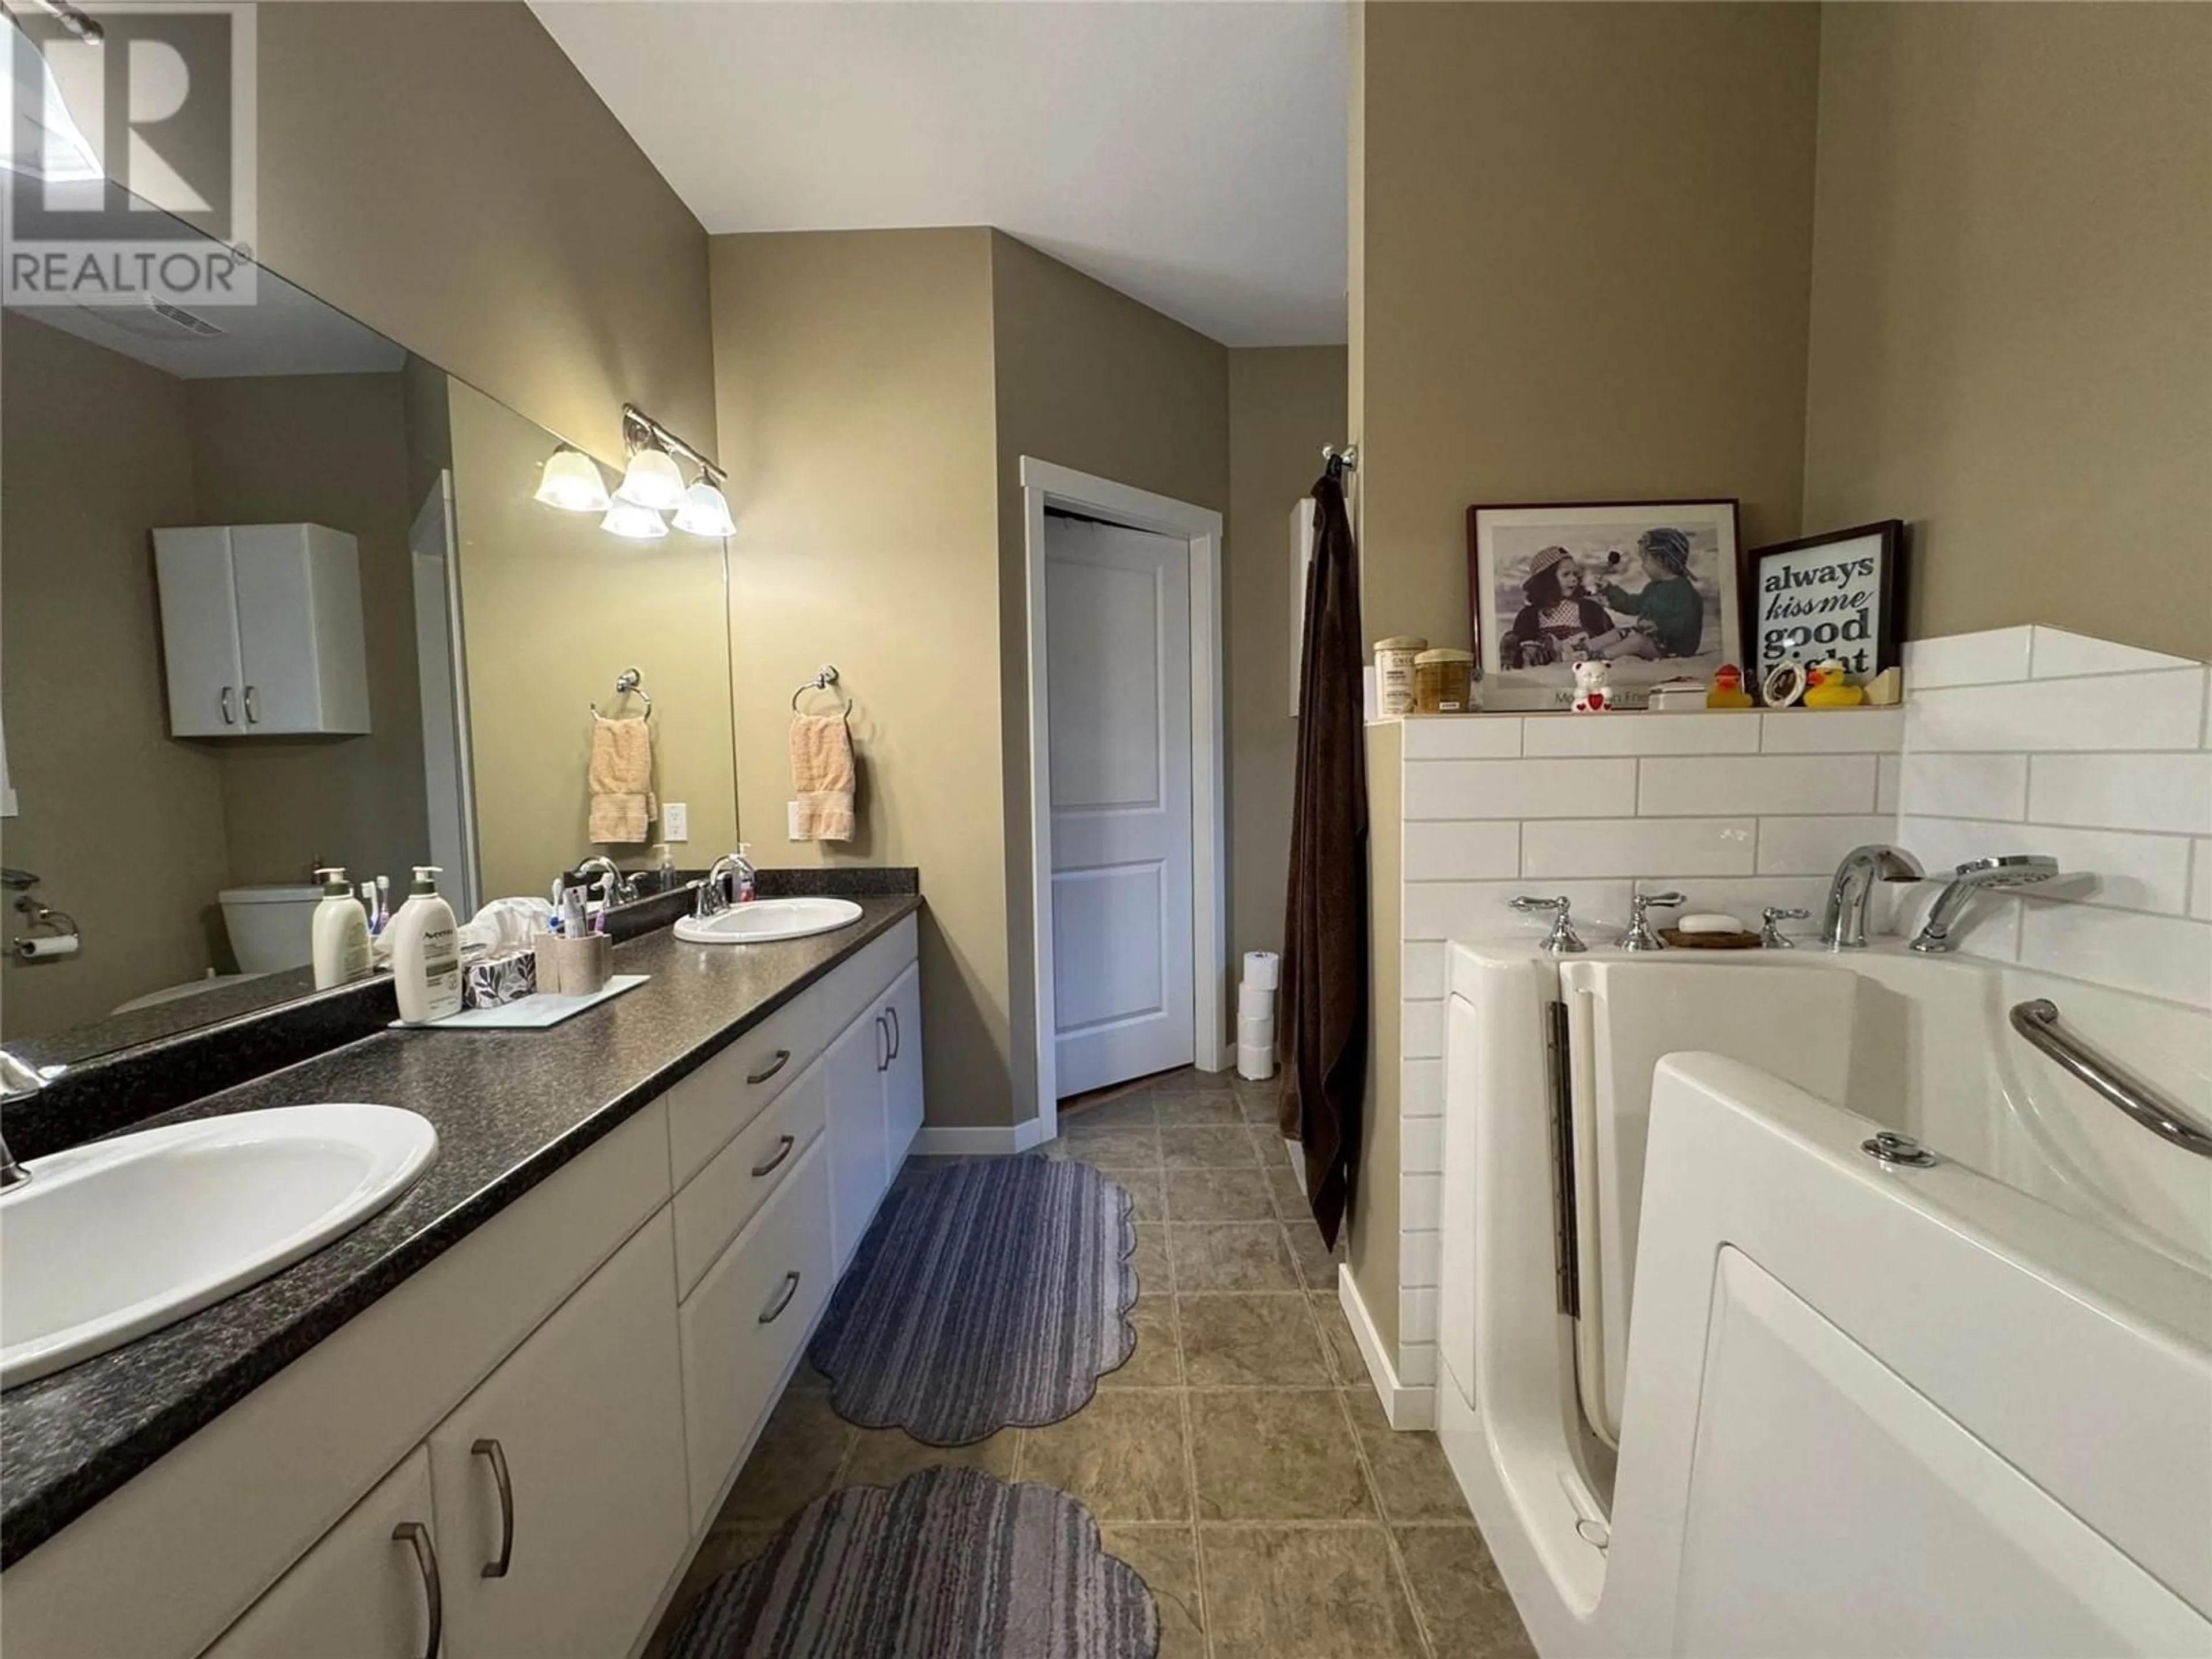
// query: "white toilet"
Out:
[270,929]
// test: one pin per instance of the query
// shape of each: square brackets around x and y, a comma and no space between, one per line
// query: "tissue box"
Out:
[495,981]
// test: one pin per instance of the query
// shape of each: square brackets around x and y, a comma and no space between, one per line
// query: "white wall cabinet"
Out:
[261,631]
[621,1378]
[560,1482]
[366,1591]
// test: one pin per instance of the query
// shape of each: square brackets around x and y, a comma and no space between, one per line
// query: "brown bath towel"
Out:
[1322,1028]
[621,780]
[821,778]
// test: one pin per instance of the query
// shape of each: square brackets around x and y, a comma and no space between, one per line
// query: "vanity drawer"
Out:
[714,1208]
[725,1094]
[745,1321]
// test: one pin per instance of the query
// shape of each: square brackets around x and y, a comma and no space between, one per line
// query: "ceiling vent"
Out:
[157,320]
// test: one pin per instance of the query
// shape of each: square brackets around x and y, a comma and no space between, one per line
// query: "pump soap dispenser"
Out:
[339,934]
[426,952]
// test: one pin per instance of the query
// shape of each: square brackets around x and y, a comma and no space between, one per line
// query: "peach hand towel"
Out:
[621,779]
[821,778]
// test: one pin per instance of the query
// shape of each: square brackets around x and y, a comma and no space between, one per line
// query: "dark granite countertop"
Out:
[510,1108]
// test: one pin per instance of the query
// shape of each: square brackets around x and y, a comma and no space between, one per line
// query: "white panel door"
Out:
[1117,651]
[199,631]
[276,627]
[902,1094]
[853,1069]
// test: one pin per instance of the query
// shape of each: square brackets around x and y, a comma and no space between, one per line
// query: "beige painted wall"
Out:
[1285,403]
[1089,379]
[1372,1243]
[553,608]
[327,449]
[1582,273]
[444,174]
[123,822]
[854,370]
[2012,310]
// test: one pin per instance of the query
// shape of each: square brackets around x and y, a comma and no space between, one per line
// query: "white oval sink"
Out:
[764,920]
[109,1241]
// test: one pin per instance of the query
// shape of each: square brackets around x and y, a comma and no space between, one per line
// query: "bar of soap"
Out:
[1714,921]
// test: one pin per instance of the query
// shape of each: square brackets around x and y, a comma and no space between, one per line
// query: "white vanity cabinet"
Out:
[568,1392]
[261,631]
[366,1591]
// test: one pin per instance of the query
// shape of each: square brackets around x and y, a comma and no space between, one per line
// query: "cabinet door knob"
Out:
[898,1032]
[783,1145]
[783,1059]
[229,715]
[497,1453]
[783,1299]
[416,1534]
[883,1054]
[252,707]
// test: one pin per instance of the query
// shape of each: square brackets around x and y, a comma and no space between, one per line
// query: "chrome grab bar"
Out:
[2037,1021]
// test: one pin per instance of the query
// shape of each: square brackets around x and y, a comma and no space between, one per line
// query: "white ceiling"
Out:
[1190,153]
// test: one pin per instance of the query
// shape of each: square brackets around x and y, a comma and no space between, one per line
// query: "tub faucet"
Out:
[2012,869]
[1639,936]
[1563,939]
[1843,923]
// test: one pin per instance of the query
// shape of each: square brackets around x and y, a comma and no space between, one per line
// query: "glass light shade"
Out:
[571,481]
[43,139]
[704,512]
[652,480]
[638,523]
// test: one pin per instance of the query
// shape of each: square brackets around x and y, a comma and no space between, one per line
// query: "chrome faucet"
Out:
[1639,936]
[618,887]
[1843,923]
[19,1080]
[2011,870]
[1563,939]
[713,898]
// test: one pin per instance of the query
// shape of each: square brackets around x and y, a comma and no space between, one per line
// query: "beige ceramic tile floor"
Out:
[1239,1460]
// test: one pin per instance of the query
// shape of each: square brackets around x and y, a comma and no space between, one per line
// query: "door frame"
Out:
[1045,484]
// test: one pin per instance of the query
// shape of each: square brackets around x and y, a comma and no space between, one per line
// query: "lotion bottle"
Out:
[340,947]
[426,952]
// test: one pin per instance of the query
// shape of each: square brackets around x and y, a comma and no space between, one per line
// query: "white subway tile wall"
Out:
[2019,740]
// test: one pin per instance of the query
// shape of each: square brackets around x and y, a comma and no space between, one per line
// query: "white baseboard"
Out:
[1406,1407]
[978,1140]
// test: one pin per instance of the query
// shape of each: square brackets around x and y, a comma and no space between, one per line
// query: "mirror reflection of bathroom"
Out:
[240,549]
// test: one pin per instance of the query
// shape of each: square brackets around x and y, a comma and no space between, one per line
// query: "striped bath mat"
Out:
[985,1295]
[949,1564]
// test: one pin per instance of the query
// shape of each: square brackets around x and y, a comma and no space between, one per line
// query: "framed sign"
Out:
[1649,588]
[1840,595]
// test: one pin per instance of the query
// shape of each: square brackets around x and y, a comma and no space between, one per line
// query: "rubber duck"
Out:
[1828,685]
[1727,691]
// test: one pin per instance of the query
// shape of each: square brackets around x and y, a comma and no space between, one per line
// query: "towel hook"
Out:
[823,679]
[627,682]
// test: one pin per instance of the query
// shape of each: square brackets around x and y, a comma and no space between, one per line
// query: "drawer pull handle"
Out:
[884,1030]
[898,1033]
[783,1301]
[252,707]
[497,1453]
[434,1602]
[783,1145]
[228,717]
[783,1059]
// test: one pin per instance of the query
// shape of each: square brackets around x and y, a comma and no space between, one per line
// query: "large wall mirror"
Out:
[275,593]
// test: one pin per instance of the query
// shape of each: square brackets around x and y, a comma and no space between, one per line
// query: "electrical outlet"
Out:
[675,821]
[793,821]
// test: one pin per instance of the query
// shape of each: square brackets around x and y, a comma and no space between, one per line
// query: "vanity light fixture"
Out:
[704,512]
[571,481]
[634,523]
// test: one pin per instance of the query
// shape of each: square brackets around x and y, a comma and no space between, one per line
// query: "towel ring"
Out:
[822,682]
[629,682]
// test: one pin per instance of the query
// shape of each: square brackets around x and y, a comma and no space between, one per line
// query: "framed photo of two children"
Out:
[1649,588]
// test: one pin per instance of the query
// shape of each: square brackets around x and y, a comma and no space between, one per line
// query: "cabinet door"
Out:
[364,1591]
[902,1097]
[199,631]
[584,1421]
[276,627]
[853,1069]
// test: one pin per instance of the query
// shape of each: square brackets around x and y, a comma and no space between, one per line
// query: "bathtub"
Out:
[1716,1381]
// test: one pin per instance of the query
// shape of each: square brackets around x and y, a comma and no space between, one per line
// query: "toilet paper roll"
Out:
[46,945]
[1255,1002]
[1255,1033]
[1261,968]
[1255,1064]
